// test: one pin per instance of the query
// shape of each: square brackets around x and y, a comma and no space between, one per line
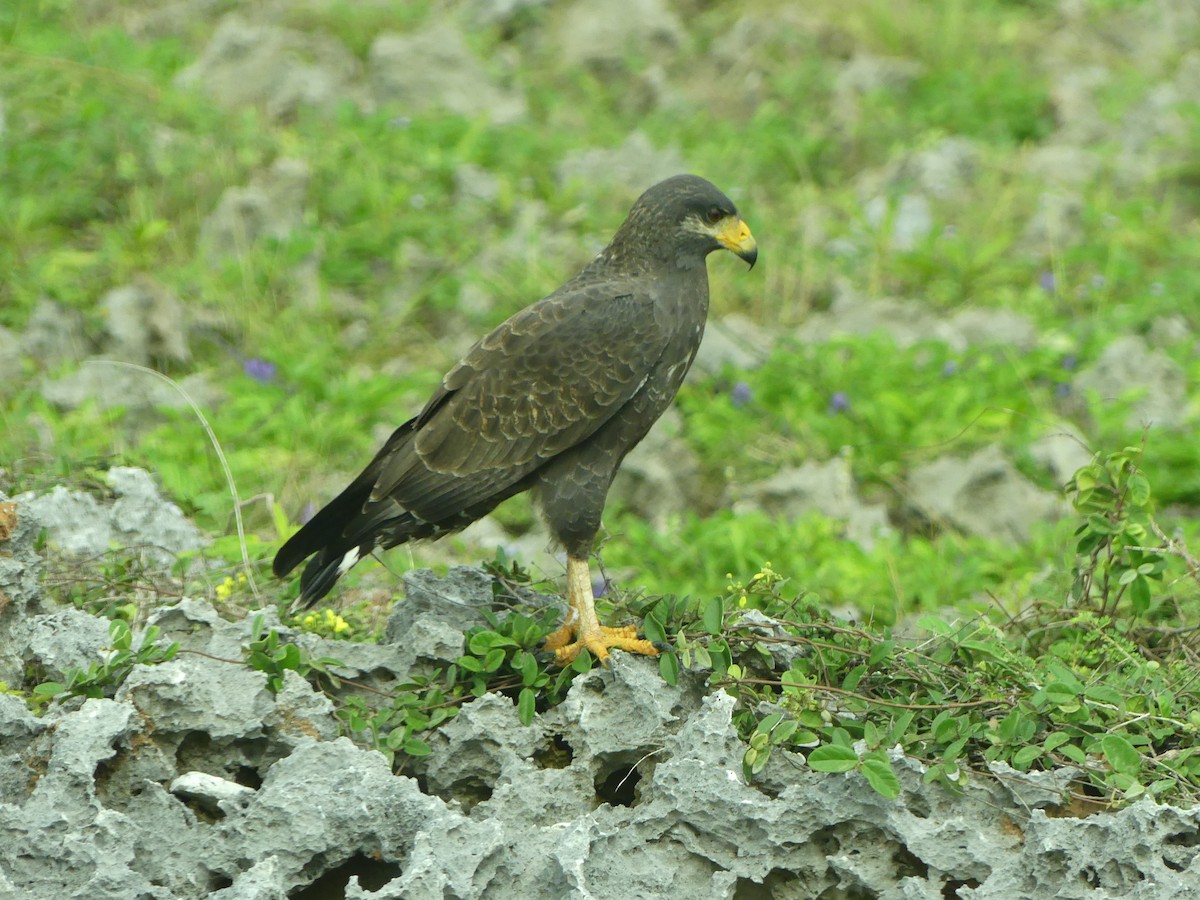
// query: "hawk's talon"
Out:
[597,643]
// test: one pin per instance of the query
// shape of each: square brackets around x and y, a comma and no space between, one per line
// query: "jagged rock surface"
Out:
[195,780]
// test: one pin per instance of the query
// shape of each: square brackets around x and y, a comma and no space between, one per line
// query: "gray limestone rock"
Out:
[145,323]
[218,795]
[441,607]
[942,171]
[1061,452]
[109,385]
[823,487]
[195,781]
[983,327]
[907,322]
[1057,222]
[139,518]
[908,220]
[633,166]
[602,35]
[1062,166]
[55,334]
[866,74]
[1128,366]
[278,69]
[910,322]
[270,206]
[733,341]
[433,69]
[10,358]
[983,494]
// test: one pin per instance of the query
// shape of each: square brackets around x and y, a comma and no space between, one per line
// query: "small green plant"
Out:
[270,654]
[1059,685]
[1113,560]
[498,657]
[326,623]
[102,678]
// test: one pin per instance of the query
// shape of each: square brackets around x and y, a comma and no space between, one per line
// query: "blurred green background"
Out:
[308,209]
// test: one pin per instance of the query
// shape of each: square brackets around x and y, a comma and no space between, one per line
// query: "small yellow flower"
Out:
[225,589]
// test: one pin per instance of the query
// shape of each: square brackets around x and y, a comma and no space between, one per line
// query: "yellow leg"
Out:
[581,623]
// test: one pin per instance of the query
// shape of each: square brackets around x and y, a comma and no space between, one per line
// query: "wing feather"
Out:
[537,385]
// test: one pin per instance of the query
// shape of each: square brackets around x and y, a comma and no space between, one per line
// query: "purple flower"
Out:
[740,394]
[600,585]
[1070,361]
[1047,282]
[1062,390]
[260,370]
[949,368]
[839,402]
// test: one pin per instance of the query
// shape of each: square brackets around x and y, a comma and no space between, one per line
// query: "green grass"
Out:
[107,170]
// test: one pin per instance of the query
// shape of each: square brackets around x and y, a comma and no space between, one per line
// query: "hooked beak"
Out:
[736,238]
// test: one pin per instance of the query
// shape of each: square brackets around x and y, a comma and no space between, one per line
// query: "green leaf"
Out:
[853,677]
[832,758]
[1139,489]
[1161,786]
[1102,693]
[668,667]
[49,689]
[1023,758]
[760,760]
[953,750]
[653,627]
[1139,595]
[494,658]
[782,733]
[1059,694]
[1121,755]
[526,705]
[880,775]
[749,758]
[484,641]
[712,615]
[470,664]
[529,669]
[945,727]
[934,624]
[1065,675]
[769,722]
[880,652]
[583,662]
[416,747]
[121,636]
[900,726]
[1054,740]
[1074,753]
[280,520]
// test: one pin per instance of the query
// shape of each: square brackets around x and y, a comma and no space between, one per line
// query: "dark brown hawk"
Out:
[550,401]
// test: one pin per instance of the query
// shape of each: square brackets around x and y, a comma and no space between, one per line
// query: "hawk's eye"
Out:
[715,215]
